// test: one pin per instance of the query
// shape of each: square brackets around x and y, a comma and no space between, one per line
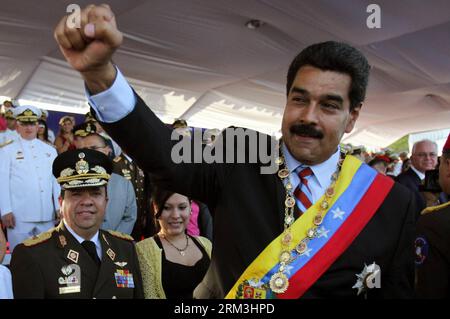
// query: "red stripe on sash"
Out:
[339,242]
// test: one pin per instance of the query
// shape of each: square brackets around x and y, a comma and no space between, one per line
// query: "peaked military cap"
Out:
[27,113]
[82,168]
[44,114]
[9,114]
[84,129]
[89,117]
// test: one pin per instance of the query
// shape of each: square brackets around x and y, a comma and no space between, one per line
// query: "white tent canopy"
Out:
[196,59]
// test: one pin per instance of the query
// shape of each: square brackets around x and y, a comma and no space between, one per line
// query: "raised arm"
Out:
[89,49]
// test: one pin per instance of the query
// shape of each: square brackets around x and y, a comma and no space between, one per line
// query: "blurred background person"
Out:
[121,211]
[51,134]
[10,134]
[43,132]
[380,163]
[28,190]
[81,131]
[172,262]
[64,140]
[423,158]
[115,148]
[406,161]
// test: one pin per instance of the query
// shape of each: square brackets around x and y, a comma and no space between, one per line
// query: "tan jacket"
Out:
[150,261]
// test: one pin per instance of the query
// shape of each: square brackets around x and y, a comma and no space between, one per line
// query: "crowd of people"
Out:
[98,214]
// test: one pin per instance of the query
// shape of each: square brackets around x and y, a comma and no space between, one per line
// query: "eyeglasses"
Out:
[423,154]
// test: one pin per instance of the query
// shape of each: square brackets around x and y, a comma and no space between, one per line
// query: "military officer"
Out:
[77,259]
[8,136]
[125,166]
[433,241]
[28,191]
[81,131]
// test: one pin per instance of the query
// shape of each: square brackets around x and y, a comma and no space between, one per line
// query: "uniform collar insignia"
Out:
[73,255]
[111,254]
[62,241]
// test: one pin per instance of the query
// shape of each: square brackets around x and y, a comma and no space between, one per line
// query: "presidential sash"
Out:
[359,192]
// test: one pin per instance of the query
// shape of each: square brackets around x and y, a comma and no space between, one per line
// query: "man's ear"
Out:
[354,114]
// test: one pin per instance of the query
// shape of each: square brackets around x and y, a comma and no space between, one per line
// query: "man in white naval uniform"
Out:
[28,190]
[10,134]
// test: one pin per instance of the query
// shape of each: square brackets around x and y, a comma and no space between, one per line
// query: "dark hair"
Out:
[159,199]
[376,161]
[335,56]
[42,122]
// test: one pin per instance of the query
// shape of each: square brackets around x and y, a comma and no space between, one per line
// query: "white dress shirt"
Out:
[321,179]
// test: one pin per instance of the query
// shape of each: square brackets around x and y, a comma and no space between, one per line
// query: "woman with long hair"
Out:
[43,132]
[172,262]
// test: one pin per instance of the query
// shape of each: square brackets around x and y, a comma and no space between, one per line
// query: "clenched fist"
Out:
[89,48]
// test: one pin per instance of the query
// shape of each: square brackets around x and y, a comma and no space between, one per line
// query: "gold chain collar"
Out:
[279,282]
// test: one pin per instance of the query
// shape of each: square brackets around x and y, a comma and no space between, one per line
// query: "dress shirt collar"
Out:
[322,171]
[80,239]
[420,174]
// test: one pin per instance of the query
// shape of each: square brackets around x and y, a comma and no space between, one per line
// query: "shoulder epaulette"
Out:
[434,208]
[117,159]
[120,235]
[43,237]
[6,143]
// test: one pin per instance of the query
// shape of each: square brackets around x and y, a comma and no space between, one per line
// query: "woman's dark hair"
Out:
[42,122]
[159,199]
[338,57]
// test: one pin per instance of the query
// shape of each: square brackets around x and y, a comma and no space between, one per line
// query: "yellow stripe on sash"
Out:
[269,257]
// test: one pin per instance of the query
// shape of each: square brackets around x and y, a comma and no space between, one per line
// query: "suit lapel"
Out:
[414,176]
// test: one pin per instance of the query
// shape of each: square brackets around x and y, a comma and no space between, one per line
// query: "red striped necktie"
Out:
[303,192]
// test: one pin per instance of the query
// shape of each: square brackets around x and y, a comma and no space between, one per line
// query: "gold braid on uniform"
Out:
[434,208]
[43,237]
[6,143]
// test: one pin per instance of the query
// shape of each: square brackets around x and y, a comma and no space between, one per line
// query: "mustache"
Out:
[305,130]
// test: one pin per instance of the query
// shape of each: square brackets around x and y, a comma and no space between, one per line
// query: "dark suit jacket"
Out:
[38,269]
[433,255]
[410,179]
[248,212]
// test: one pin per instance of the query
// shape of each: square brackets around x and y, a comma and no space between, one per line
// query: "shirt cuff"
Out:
[115,103]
